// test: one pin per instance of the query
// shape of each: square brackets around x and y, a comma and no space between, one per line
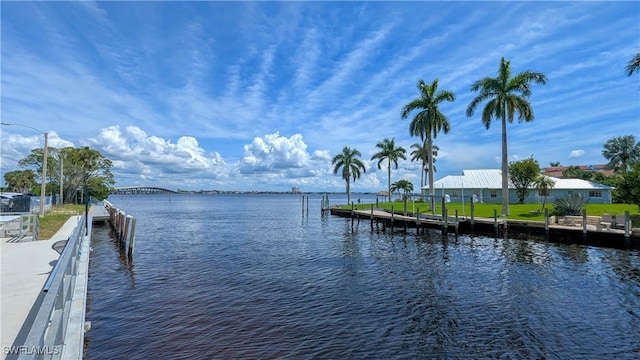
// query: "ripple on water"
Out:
[212,280]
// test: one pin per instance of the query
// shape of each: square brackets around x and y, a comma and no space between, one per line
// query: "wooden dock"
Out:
[394,220]
[498,226]
[100,213]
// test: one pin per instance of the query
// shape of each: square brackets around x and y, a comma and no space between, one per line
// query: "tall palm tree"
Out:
[351,165]
[622,152]
[429,121]
[506,95]
[420,153]
[634,64]
[391,153]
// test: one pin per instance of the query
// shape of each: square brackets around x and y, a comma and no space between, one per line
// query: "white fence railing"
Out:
[57,329]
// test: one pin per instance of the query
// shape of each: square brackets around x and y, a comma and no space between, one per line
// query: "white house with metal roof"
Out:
[486,185]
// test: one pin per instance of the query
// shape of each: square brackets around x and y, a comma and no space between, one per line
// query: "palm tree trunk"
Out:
[430,162]
[422,176]
[348,191]
[389,178]
[505,167]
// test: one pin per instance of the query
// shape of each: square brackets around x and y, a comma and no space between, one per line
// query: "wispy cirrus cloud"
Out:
[243,95]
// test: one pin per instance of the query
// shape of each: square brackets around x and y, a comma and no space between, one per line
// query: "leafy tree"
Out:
[351,165]
[634,64]
[622,152]
[21,180]
[523,175]
[429,121]
[420,153]
[390,152]
[554,163]
[628,187]
[543,185]
[80,165]
[505,95]
[574,172]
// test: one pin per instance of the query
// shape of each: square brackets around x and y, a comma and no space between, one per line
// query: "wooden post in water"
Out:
[121,218]
[125,232]
[302,204]
[392,213]
[445,218]
[584,221]
[627,225]
[352,215]
[307,204]
[456,221]
[546,220]
[127,238]
[473,213]
[132,237]
[371,216]
[495,219]
[417,221]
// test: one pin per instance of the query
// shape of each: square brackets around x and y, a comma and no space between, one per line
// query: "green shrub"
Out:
[572,204]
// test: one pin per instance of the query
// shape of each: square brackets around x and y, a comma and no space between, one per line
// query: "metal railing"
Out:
[57,330]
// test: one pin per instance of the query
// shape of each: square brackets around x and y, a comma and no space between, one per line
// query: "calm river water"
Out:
[250,277]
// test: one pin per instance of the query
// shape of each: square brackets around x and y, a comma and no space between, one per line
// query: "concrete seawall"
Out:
[44,291]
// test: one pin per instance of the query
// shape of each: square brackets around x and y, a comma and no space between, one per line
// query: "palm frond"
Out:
[633,66]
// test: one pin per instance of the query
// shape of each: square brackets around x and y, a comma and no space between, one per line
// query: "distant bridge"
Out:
[141,190]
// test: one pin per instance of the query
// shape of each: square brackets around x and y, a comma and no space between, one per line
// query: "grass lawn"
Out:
[53,219]
[518,211]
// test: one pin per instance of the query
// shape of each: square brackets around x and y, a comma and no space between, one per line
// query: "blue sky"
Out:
[261,95]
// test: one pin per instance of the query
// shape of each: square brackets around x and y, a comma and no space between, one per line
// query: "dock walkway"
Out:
[589,234]
[25,268]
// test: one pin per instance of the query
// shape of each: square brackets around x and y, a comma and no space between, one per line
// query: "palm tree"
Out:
[351,166]
[506,95]
[429,121]
[543,185]
[622,152]
[404,185]
[420,153]
[391,153]
[634,64]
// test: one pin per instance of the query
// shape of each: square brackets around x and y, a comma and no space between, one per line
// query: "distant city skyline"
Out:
[244,96]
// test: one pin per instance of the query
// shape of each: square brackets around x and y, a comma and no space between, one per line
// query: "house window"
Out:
[454,194]
[493,194]
[595,193]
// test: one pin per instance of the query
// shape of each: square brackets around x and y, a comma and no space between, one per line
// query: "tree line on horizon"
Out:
[504,96]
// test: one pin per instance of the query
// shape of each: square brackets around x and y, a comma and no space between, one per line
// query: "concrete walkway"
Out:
[24,268]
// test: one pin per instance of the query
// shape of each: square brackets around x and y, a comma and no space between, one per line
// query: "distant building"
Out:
[486,185]
[556,171]
[295,190]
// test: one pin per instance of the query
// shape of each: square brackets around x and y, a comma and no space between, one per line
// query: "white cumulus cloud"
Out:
[576,154]
[273,152]
[134,152]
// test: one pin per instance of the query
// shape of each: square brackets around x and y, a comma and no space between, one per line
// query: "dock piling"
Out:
[546,220]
